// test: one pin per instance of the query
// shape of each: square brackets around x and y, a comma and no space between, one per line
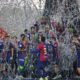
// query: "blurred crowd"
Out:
[47,53]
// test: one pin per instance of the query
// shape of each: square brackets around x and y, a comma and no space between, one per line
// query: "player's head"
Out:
[7,38]
[53,38]
[15,38]
[22,36]
[25,31]
[43,39]
[32,29]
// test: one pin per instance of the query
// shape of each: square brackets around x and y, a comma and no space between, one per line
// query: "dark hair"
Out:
[43,39]
[7,36]
[54,38]
[15,37]
[32,27]
[74,32]
[25,30]
[22,35]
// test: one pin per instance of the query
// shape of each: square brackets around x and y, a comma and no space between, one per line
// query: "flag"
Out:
[3,33]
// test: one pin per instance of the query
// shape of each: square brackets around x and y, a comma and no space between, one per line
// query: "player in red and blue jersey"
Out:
[55,52]
[9,49]
[78,57]
[21,53]
[43,57]
[14,56]
[3,59]
[76,41]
